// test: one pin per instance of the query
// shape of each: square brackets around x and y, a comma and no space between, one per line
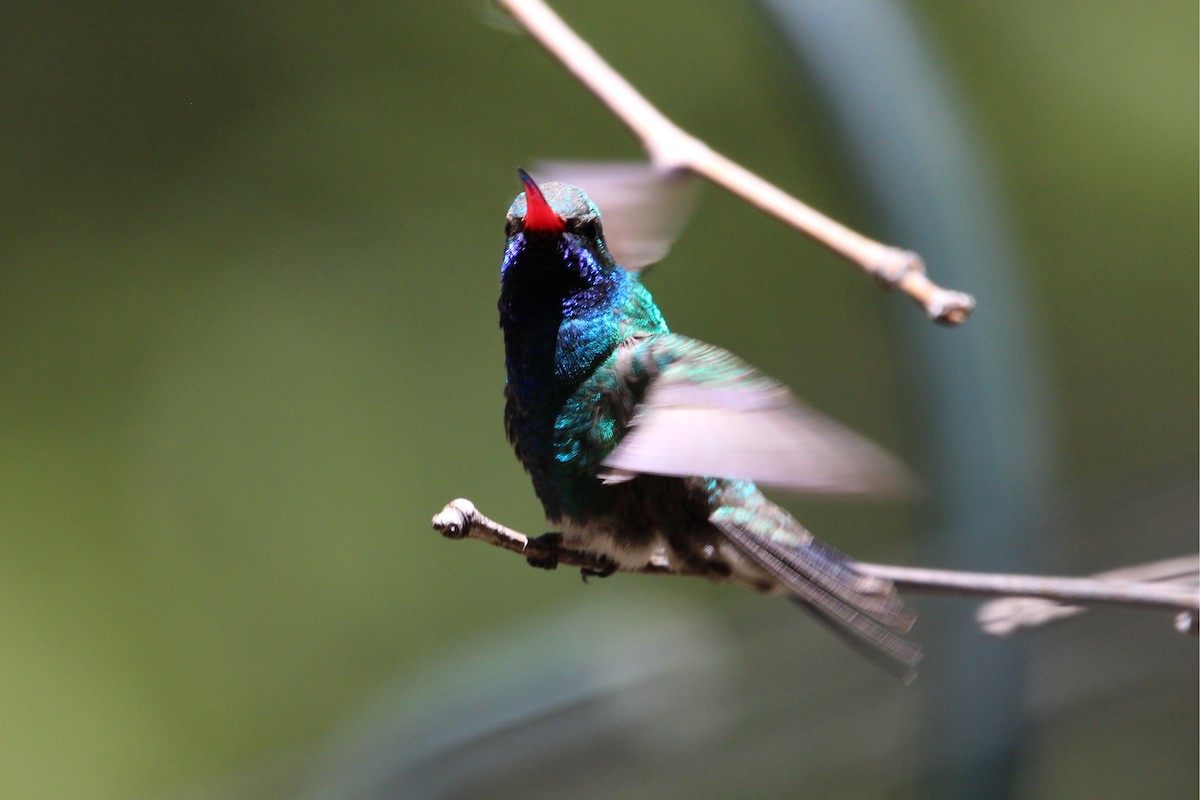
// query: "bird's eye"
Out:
[511,226]
[586,228]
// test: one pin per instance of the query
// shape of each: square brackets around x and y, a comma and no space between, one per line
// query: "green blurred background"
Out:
[249,346]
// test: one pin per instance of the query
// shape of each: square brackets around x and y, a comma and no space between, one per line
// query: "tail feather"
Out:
[899,666]
[874,596]
[865,611]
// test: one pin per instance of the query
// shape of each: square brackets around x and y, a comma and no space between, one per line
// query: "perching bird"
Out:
[643,444]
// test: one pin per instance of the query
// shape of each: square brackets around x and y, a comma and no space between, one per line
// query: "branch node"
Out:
[893,265]
[456,519]
[673,150]
[949,307]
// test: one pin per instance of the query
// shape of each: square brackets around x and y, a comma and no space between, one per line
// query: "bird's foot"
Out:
[608,567]
[547,547]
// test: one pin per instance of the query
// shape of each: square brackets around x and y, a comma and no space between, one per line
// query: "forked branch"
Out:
[671,148]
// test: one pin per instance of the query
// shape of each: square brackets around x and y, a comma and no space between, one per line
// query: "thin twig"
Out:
[460,519]
[672,148]
[1074,590]
[1009,614]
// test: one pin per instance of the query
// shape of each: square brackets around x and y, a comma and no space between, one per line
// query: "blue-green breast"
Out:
[564,309]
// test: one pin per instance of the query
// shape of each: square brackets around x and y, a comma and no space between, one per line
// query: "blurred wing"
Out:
[710,414]
[643,208]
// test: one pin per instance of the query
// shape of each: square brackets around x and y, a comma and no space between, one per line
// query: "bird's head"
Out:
[551,212]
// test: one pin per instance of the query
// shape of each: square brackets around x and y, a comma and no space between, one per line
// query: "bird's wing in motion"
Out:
[644,207]
[707,413]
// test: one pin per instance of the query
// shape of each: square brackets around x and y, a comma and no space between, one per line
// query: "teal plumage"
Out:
[644,444]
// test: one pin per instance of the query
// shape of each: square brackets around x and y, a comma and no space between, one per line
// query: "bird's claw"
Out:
[547,545]
[608,568]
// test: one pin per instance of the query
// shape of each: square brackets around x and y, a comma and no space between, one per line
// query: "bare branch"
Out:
[672,148]
[460,519]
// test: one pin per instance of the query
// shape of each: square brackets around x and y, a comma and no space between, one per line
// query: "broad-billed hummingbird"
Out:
[643,444]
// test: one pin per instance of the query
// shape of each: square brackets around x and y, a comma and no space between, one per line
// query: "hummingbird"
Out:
[644,446]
